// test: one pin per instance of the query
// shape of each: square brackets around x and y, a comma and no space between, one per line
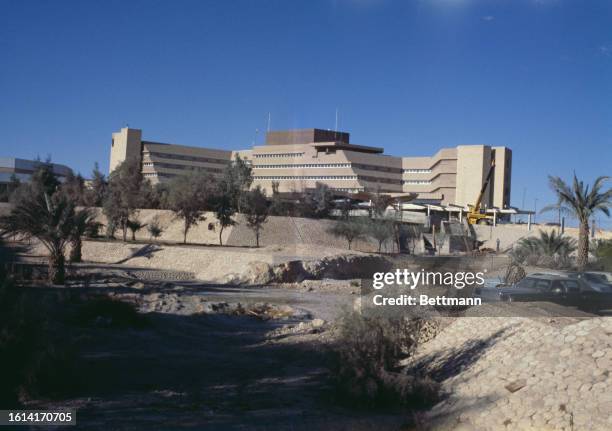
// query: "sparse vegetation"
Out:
[49,218]
[581,202]
[224,211]
[134,225]
[548,249]
[380,230]
[256,211]
[351,229]
[83,221]
[236,181]
[154,228]
[126,188]
[94,196]
[602,251]
[188,196]
[367,370]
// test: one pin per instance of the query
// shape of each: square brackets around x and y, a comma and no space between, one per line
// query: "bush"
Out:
[109,312]
[155,229]
[36,358]
[367,371]
[602,251]
[548,250]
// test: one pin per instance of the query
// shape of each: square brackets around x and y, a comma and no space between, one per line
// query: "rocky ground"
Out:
[252,355]
[522,374]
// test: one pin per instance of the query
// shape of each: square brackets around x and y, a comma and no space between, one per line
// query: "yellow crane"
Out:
[475,214]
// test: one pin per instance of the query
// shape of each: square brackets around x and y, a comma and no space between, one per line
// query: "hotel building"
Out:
[299,159]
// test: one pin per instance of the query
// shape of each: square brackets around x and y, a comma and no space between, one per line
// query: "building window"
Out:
[277,155]
[417,171]
[416,182]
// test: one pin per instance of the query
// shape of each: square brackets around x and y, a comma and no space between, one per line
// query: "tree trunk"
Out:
[133,235]
[220,235]
[349,243]
[582,255]
[124,229]
[185,229]
[76,250]
[57,271]
[256,238]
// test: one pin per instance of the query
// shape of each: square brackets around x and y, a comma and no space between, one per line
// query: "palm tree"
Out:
[547,244]
[83,221]
[578,201]
[50,220]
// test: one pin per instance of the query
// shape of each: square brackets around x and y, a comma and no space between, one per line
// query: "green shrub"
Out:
[366,369]
[550,250]
[602,251]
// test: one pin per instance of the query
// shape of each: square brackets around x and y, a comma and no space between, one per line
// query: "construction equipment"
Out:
[476,215]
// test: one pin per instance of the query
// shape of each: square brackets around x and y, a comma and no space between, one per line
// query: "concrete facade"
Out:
[299,159]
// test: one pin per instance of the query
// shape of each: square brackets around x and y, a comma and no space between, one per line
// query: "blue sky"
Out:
[412,76]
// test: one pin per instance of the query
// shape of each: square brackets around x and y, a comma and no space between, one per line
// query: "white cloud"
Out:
[605,50]
[488,18]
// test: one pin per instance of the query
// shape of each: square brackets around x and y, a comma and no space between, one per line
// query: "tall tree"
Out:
[351,229]
[44,180]
[582,202]
[224,211]
[124,195]
[74,188]
[380,203]
[256,211]
[237,179]
[278,207]
[83,221]
[381,230]
[95,193]
[188,196]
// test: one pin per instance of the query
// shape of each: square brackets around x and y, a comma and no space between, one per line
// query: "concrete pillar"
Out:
[494,217]
[528,221]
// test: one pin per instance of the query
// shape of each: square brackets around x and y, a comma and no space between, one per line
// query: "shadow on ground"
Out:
[212,372]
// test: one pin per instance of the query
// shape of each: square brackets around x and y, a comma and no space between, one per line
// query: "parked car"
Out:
[591,281]
[544,287]
[569,289]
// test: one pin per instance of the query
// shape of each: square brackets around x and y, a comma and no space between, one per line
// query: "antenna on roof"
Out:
[336,126]
[269,120]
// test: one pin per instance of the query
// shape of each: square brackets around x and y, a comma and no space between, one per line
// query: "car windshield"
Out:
[543,285]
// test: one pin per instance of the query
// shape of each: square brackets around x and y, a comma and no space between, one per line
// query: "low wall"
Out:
[509,234]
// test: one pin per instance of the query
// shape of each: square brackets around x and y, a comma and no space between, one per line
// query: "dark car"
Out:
[543,287]
[560,289]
